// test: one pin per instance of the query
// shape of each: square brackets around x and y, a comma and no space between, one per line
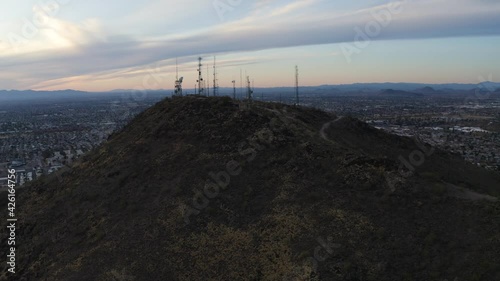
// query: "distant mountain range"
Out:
[398,93]
[16,95]
[415,86]
[398,88]
[63,95]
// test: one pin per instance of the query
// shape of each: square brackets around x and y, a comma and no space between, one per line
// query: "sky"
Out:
[122,44]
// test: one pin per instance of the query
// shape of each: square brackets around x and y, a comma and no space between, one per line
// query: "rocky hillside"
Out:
[202,188]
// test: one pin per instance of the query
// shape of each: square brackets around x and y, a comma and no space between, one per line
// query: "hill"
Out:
[398,93]
[202,188]
[426,89]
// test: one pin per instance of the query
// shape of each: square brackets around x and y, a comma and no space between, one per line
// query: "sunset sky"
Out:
[121,44]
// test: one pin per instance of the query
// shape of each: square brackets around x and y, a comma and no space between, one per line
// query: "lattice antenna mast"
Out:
[296,85]
[215,79]
[178,82]
[234,89]
[200,78]
[208,81]
[249,89]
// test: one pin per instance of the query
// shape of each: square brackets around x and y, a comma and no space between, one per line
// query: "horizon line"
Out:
[271,87]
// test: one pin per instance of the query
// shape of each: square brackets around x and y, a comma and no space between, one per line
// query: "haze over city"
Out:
[100,46]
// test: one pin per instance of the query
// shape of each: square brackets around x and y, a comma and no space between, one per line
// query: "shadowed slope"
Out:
[211,189]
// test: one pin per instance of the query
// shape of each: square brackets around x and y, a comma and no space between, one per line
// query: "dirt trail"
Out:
[326,126]
[467,194]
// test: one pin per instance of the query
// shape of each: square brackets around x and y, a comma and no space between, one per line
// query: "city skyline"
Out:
[94,46]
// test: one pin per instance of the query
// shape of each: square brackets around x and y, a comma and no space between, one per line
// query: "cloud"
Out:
[292,7]
[85,48]
[50,36]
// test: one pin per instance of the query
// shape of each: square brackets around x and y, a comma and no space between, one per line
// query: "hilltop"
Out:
[398,93]
[199,188]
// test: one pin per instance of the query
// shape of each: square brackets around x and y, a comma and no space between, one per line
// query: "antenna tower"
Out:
[200,79]
[249,89]
[208,87]
[296,85]
[215,80]
[234,89]
[178,82]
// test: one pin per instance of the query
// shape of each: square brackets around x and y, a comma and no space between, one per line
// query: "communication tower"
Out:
[249,89]
[215,79]
[178,82]
[200,78]
[234,89]
[296,85]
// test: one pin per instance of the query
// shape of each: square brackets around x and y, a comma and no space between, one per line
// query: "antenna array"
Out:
[178,82]
[200,78]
